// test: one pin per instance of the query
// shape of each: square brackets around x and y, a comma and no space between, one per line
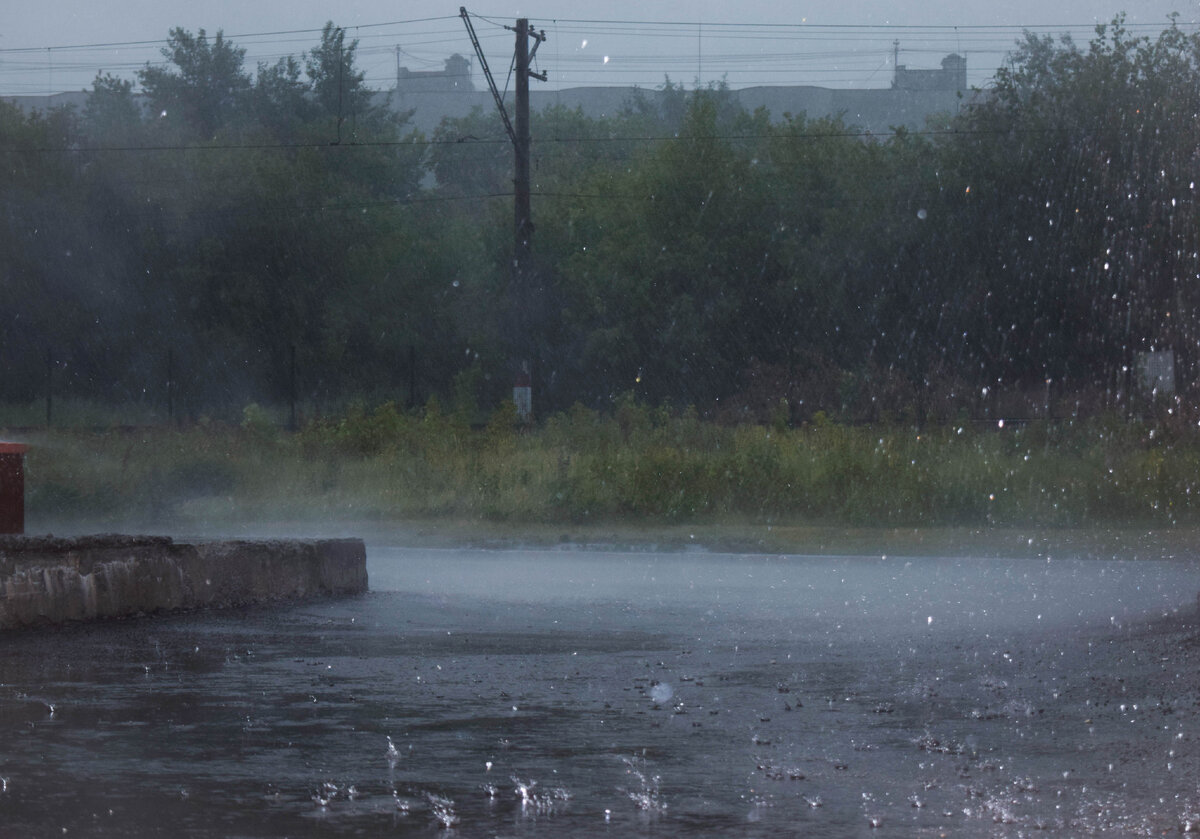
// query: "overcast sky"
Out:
[55,45]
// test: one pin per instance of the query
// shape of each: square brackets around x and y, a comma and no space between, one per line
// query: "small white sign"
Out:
[523,398]
[1156,372]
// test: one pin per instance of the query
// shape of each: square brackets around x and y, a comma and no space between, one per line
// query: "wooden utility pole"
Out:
[522,214]
[519,133]
[522,262]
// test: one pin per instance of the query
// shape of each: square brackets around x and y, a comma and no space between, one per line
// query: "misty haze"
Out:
[734,456]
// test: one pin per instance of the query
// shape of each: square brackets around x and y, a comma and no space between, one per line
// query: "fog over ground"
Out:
[60,45]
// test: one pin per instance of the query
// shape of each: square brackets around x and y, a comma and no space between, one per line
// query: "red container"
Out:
[12,487]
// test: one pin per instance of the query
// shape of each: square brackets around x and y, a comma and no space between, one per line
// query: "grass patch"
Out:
[638,468]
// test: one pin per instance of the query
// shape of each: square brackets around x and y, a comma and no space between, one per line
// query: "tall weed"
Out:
[638,464]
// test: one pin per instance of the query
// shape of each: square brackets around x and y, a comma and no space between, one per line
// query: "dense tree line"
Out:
[219,225]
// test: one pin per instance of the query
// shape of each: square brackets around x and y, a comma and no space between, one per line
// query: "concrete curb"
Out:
[45,580]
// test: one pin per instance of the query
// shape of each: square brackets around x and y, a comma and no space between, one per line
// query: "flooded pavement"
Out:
[583,693]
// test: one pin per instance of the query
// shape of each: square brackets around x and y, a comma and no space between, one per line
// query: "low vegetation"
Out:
[638,466]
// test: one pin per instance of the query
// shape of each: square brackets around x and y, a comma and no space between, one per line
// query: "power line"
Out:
[26,71]
[711,30]
[163,41]
[951,27]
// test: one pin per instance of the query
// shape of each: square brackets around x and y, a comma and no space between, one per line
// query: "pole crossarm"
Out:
[487,73]
[538,37]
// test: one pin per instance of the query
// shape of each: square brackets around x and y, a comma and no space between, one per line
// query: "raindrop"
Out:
[922,214]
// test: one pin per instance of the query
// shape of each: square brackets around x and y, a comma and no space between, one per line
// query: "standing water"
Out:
[581,693]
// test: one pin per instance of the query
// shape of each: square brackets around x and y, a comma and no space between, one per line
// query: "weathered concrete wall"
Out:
[48,580]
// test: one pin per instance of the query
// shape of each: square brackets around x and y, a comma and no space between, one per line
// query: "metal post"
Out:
[49,386]
[292,390]
[170,387]
[412,376]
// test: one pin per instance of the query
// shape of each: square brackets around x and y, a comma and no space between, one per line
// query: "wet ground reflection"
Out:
[580,693]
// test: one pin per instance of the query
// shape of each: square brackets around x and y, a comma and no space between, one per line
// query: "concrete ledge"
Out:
[49,580]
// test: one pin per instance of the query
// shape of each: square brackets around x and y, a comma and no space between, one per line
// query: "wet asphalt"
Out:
[578,692]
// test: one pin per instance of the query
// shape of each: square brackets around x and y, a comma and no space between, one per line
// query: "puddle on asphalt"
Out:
[673,695]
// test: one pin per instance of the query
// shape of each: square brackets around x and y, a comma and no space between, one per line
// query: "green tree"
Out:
[337,85]
[666,261]
[111,115]
[1075,181]
[472,156]
[203,87]
[64,276]
[282,100]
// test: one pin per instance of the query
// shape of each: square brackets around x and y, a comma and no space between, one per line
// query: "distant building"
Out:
[952,76]
[431,95]
[454,78]
[47,102]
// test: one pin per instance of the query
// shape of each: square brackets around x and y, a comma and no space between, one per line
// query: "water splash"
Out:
[404,805]
[442,809]
[648,794]
[325,794]
[524,789]
[539,803]
[928,743]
